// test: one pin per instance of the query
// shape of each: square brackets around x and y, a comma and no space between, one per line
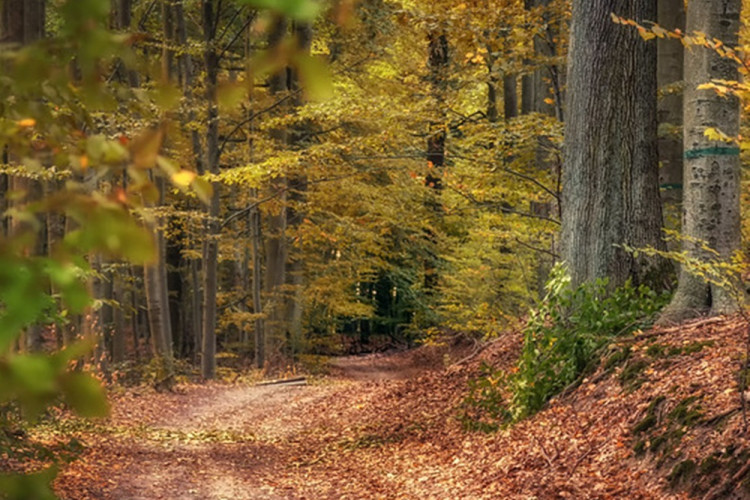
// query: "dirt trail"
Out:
[390,427]
[213,441]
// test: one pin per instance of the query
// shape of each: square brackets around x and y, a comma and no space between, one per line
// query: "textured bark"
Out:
[21,21]
[211,244]
[157,298]
[158,314]
[669,73]
[610,176]
[711,193]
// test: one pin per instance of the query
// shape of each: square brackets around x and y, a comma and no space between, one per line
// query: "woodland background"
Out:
[194,188]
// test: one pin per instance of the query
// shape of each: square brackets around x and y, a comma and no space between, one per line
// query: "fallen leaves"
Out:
[396,437]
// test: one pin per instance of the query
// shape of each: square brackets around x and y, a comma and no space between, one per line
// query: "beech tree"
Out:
[610,175]
[711,192]
[671,16]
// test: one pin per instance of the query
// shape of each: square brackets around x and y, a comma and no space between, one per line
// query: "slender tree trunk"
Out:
[510,96]
[119,329]
[260,340]
[438,58]
[492,114]
[711,195]
[186,74]
[669,75]
[158,315]
[610,175]
[157,298]
[277,251]
[211,244]
[303,33]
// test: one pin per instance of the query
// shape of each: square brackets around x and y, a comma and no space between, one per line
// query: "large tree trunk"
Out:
[211,245]
[669,74]
[610,177]
[711,194]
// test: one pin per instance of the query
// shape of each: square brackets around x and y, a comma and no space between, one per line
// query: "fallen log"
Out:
[284,381]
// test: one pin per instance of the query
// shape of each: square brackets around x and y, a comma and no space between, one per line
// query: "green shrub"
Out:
[563,341]
[564,337]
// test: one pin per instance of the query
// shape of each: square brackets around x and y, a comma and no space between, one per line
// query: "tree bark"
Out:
[211,244]
[276,245]
[186,75]
[510,96]
[610,178]
[438,58]
[157,298]
[119,340]
[303,33]
[256,244]
[711,173]
[669,75]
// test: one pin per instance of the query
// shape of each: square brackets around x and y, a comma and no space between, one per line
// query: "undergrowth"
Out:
[563,341]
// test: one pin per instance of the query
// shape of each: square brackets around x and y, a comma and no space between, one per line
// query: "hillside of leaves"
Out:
[660,418]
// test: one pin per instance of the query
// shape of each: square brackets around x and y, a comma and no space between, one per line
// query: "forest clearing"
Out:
[396,249]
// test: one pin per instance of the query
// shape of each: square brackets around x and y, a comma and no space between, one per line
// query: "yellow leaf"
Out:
[645,34]
[659,31]
[183,178]
[26,123]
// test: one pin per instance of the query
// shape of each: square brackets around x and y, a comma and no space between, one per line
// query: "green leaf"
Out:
[84,394]
[203,189]
[32,373]
[36,486]
[230,94]
[315,77]
[302,10]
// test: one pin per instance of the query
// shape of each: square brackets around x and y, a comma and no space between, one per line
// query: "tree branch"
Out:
[502,207]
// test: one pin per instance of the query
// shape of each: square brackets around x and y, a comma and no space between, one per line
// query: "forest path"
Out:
[217,441]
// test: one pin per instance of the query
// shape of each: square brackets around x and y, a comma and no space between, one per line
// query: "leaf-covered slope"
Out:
[662,423]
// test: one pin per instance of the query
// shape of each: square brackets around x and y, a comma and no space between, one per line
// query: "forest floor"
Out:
[663,423]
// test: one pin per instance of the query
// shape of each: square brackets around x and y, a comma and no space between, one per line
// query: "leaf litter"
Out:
[385,426]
